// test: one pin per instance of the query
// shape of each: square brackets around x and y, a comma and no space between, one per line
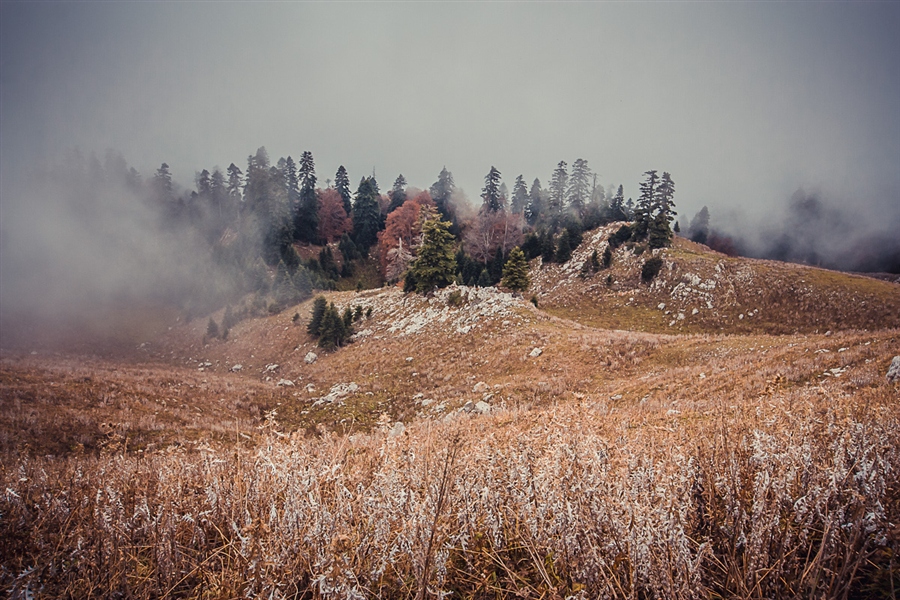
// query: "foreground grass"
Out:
[795,493]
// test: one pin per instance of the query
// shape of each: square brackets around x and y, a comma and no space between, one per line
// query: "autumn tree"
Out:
[333,220]
[489,231]
[401,235]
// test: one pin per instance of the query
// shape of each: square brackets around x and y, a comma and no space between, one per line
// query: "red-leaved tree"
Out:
[333,219]
[401,234]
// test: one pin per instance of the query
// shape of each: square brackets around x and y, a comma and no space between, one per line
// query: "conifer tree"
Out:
[435,265]
[490,194]
[564,247]
[578,190]
[558,190]
[367,219]
[515,271]
[397,194]
[442,193]
[534,209]
[520,196]
[320,304]
[342,185]
[306,223]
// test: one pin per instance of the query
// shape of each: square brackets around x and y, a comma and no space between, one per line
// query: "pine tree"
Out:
[520,196]
[558,190]
[564,247]
[699,228]
[535,207]
[662,213]
[607,256]
[435,265]
[495,267]
[212,330]
[367,219]
[397,194]
[306,223]
[320,304]
[342,185]
[643,212]
[490,194]
[442,193]
[578,190]
[515,271]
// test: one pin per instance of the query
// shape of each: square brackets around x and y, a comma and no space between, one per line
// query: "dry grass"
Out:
[614,465]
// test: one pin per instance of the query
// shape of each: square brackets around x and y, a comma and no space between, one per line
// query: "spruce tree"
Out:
[534,209]
[490,194]
[564,247]
[515,271]
[578,190]
[320,305]
[520,196]
[306,224]
[397,194]
[367,218]
[435,265]
[342,185]
[558,183]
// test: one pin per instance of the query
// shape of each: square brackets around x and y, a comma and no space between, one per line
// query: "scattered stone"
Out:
[310,358]
[695,311]
[893,374]
[397,430]
[237,368]
[662,306]
[616,397]
[680,316]
[480,388]
[482,407]
[310,388]
[536,352]
[427,402]
[271,368]
[285,383]
[409,359]
[468,406]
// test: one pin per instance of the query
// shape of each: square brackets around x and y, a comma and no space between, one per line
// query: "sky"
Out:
[743,103]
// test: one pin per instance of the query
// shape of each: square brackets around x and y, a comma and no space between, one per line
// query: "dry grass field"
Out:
[482,448]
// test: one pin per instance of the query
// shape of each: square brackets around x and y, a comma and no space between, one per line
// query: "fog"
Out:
[743,103]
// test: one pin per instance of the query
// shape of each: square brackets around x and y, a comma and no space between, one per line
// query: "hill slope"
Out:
[699,290]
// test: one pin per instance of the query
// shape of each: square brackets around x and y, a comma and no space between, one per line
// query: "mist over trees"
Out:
[105,233]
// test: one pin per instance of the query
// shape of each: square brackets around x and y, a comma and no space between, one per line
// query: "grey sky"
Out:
[741,102]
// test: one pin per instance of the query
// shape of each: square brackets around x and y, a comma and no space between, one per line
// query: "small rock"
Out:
[536,352]
[397,430]
[893,374]
[662,306]
[409,359]
[427,402]
[680,316]
[480,388]
[695,311]
[310,358]
[271,368]
[468,406]
[482,407]
[285,383]
[237,368]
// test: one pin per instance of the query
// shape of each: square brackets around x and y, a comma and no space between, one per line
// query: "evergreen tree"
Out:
[617,206]
[490,194]
[520,196]
[333,332]
[397,194]
[435,265]
[320,304]
[699,228]
[558,183]
[662,213]
[495,267]
[307,216]
[162,184]
[515,271]
[564,247]
[548,248]
[578,190]
[367,218]
[677,228]
[484,279]
[442,193]
[607,256]
[291,183]
[212,330]
[535,207]
[342,185]
[235,185]
[643,212]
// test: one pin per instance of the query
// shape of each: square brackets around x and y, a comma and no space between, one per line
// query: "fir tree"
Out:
[320,304]
[534,209]
[306,223]
[435,265]
[490,194]
[515,271]
[607,256]
[578,190]
[564,247]
[558,183]
[367,218]
[342,185]
[397,194]
[520,196]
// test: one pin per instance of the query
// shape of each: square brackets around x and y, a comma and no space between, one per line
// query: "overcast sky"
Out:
[741,102]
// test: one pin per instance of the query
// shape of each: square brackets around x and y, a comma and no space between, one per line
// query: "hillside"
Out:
[701,291]
[473,444]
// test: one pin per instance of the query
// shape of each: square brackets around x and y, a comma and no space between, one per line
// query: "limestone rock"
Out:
[536,352]
[310,358]
[893,374]
[480,388]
